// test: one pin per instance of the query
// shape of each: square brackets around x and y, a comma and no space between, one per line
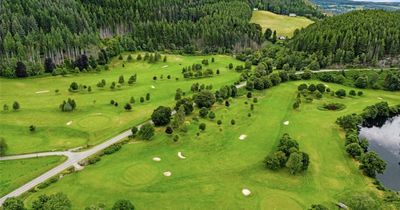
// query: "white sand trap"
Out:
[380,98]
[167,173]
[242,137]
[246,192]
[152,87]
[286,123]
[157,159]
[165,66]
[181,156]
[69,123]
[43,91]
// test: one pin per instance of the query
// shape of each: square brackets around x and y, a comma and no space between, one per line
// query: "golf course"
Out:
[95,119]
[219,165]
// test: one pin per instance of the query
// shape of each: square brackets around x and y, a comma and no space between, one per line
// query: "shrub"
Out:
[161,116]
[202,126]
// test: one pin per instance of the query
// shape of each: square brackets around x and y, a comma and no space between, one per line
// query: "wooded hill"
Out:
[359,37]
[32,30]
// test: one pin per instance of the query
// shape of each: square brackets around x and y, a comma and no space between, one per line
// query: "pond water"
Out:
[385,141]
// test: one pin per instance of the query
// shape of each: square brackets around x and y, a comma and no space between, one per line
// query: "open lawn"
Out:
[219,165]
[15,173]
[283,24]
[95,119]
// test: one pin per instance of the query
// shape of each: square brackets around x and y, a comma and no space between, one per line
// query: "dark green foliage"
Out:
[352,93]
[202,126]
[318,207]
[16,106]
[340,93]
[169,130]
[20,70]
[113,148]
[355,37]
[13,204]
[128,107]
[204,99]
[134,130]
[161,116]
[276,160]
[123,205]
[3,146]
[372,164]
[354,149]
[35,30]
[52,202]
[203,112]
[299,7]
[146,131]
[68,106]
[187,103]
[286,143]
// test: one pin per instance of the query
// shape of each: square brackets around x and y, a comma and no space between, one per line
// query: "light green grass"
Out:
[94,122]
[219,165]
[15,173]
[283,24]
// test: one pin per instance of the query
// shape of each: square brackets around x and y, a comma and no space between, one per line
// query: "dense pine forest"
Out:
[299,7]
[361,37]
[32,31]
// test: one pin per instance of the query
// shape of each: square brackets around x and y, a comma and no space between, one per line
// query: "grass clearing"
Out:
[283,24]
[15,173]
[95,119]
[219,165]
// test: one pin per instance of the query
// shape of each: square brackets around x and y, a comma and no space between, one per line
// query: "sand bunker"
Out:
[242,137]
[152,87]
[380,98]
[157,159]
[43,91]
[167,173]
[69,123]
[246,192]
[165,66]
[286,123]
[181,156]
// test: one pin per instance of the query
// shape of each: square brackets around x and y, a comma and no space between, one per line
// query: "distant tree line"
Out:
[285,7]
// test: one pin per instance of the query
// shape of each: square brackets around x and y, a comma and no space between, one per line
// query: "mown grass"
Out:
[15,173]
[283,24]
[95,119]
[219,165]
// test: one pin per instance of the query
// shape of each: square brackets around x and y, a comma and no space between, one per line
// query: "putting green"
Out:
[219,165]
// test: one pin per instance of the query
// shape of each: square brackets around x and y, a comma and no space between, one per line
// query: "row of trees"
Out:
[370,162]
[59,201]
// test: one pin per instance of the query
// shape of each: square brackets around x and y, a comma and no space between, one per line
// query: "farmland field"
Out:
[284,25]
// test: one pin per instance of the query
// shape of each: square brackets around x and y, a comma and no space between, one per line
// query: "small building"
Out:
[292,15]
[282,38]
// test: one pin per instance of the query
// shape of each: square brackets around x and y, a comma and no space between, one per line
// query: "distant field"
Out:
[219,165]
[95,119]
[283,24]
[15,173]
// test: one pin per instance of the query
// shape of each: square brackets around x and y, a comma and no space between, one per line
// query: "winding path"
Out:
[75,157]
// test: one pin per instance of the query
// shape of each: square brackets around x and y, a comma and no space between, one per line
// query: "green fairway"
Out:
[95,119]
[283,24]
[219,165]
[15,173]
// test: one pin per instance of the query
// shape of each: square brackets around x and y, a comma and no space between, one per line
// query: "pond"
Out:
[385,141]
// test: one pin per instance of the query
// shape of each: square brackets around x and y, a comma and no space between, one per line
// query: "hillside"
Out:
[359,37]
[283,24]
[61,30]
